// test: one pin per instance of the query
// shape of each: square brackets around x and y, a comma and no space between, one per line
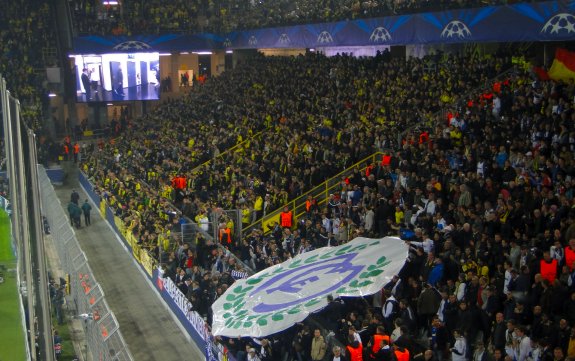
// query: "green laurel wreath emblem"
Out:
[236,316]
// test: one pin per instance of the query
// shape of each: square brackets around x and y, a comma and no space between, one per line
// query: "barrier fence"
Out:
[104,340]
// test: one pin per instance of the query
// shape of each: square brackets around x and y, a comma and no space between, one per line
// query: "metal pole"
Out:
[16,210]
[42,292]
[20,208]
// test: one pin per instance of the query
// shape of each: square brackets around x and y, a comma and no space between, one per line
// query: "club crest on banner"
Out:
[276,298]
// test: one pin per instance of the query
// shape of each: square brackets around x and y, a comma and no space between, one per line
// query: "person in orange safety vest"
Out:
[286,218]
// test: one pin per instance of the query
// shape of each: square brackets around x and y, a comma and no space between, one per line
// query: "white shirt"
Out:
[440,310]
[388,306]
[524,349]
[506,282]
[430,207]
[427,245]
[460,291]
[204,223]
[557,253]
[461,348]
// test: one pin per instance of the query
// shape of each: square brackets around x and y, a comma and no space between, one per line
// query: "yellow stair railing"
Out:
[320,193]
[229,150]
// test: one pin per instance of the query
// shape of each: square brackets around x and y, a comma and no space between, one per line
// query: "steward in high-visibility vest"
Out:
[225,235]
[286,218]
[548,267]
[310,203]
[401,354]
[355,351]
[376,341]
[570,255]
[385,160]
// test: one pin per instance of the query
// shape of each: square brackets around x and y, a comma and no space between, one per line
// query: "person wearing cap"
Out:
[252,355]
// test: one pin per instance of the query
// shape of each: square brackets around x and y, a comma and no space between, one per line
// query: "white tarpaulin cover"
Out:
[282,295]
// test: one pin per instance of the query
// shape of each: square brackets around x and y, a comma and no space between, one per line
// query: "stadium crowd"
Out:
[288,158]
[483,192]
[25,31]
[131,18]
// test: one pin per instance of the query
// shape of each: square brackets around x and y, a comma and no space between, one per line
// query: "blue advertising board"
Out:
[544,21]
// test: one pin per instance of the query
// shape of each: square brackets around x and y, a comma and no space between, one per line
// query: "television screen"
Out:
[117,77]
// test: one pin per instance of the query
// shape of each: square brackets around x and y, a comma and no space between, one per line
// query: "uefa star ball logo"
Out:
[379,35]
[132,45]
[297,285]
[324,38]
[563,23]
[456,29]
[253,40]
[284,39]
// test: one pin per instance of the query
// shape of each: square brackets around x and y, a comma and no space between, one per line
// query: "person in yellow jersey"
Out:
[246,215]
[258,208]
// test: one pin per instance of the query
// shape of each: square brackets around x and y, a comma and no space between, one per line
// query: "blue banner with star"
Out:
[545,21]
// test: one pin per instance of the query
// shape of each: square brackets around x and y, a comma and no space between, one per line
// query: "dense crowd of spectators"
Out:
[487,207]
[299,104]
[25,30]
[91,17]
[484,196]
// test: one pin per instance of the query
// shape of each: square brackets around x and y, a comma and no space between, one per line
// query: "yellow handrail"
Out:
[320,193]
[231,149]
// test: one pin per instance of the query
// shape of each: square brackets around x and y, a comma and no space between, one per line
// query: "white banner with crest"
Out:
[282,295]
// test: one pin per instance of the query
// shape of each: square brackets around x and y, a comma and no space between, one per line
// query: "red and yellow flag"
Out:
[563,67]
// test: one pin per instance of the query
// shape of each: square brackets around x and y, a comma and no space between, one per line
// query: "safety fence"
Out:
[320,194]
[195,325]
[104,340]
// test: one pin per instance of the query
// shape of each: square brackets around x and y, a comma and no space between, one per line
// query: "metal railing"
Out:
[103,338]
[228,151]
[319,193]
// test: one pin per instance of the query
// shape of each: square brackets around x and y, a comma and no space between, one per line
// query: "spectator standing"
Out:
[337,355]
[318,346]
[252,355]
[74,197]
[86,84]
[522,345]
[75,214]
[459,349]
[86,208]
